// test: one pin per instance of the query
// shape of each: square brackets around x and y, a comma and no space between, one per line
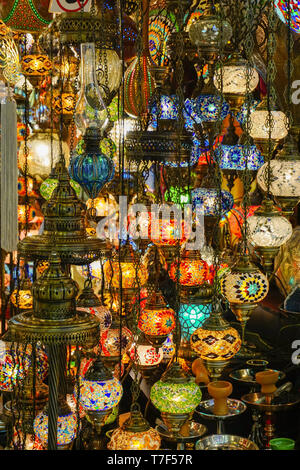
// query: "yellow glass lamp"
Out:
[22,297]
[36,65]
[216,342]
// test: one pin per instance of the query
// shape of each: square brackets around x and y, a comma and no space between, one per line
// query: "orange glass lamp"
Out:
[21,297]
[193,271]
[138,82]
[156,320]
[36,65]
[216,342]
[244,287]
[64,102]
[135,434]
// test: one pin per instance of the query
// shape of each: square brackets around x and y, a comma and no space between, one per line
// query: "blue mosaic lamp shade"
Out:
[242,114]
[206,201]
[208,108]
[169,110]
[101,394]
[191,317]
[235,157]
[92,171]
[66,428]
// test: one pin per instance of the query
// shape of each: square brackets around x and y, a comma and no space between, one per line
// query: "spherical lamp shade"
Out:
[111,341]
[92,171]
[282,10]
[39,153]
[138,86]
[125,440]
[208,31]
[15,362]
[22,296]
[146,355]
[247,287]
[108,72]
[134,434]
[209,202]
[210,108]
[66,428]
[191,317]
[285,178]
[216,345]
[99,395]
[36,64]
[156,319]
[192,272]
[269,231]
[238,78]
[239,157]
[260,129]
[172,395]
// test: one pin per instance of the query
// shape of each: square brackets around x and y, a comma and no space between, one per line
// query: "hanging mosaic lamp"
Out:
[192,270]
[89,302]
[285,177]
[216,342]
[135,434]
[36,65]
[244,287]
[156,320]
[99,393]
[138,81]
[175,395]
[21,297]
[268,230]
[9,55]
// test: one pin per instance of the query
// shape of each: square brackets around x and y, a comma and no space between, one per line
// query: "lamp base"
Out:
[174,422]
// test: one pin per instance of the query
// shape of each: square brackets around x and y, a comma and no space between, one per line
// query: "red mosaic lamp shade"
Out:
[156,320]
[26,15]
[193,271]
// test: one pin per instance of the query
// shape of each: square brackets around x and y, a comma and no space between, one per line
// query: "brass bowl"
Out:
[251,399]
[225,442]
